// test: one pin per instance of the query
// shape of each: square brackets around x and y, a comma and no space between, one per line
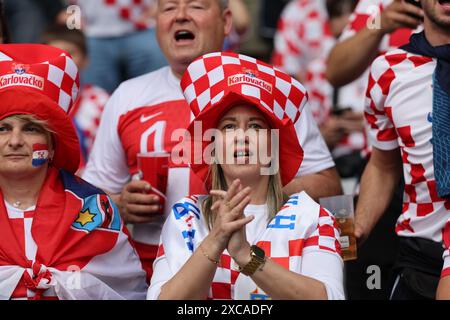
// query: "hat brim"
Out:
[27,101]
[290,151]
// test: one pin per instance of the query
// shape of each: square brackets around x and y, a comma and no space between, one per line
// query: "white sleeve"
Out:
[316,156]
[177,244]
[161,274]
[107,166]
[326,268]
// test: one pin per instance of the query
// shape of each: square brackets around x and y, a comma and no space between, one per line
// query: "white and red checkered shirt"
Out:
[303,34]
[399,115]
[302,237]
[361,17]
[114,18]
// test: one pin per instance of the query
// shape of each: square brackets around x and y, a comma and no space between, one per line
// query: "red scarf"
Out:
[58,244]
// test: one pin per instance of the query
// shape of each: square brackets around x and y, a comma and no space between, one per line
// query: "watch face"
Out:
[258,252]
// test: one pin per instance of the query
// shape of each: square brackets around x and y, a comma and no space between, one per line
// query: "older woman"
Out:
[243,240]
[61,237]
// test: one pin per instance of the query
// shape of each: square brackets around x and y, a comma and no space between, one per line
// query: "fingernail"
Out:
[148,187]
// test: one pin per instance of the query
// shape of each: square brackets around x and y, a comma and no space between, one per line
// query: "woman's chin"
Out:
[18,169]
[242,171]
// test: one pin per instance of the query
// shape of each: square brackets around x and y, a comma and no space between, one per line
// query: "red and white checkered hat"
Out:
[42,81]
[216,82]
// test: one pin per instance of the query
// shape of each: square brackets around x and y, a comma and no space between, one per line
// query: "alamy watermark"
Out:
[73,18]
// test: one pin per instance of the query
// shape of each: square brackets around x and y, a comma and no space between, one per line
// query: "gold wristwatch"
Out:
[258,258]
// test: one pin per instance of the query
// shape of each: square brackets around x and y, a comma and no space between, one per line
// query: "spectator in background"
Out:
[86,113]
[27,19]
[339,112]
[303,34]
[120,39]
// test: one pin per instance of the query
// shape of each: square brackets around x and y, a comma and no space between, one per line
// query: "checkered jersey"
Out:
[209,78]
[302,34]
[363,16]
[399,115]
[301,233]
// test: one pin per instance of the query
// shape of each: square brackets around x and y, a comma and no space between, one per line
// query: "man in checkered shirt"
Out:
[398,111]
[143,113]
[375,27]
[303,34]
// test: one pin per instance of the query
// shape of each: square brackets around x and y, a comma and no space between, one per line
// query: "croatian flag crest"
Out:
[40,154]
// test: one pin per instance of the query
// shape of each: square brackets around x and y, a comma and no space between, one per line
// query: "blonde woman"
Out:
[244,240]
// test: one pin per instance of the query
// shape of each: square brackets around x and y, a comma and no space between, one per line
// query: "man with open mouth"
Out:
[143,113]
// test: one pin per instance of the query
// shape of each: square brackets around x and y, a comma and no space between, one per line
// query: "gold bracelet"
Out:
[216,262]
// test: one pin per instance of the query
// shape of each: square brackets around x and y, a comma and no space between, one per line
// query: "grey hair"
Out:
[223,4]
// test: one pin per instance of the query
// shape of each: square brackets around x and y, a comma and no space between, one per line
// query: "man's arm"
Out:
[325,183]
[378,183]
[349,59]
[340,69]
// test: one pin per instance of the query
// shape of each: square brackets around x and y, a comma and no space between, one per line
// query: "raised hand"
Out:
[230,217]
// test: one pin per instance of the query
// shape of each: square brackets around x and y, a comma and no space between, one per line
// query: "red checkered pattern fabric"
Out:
[319,89]
[326,235]
[363,16]
[131,10]
[398,112]
[212,76]
[446,256]
[303,34]
[57,78]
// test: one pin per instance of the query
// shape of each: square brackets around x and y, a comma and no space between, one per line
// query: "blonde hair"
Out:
[275,196]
